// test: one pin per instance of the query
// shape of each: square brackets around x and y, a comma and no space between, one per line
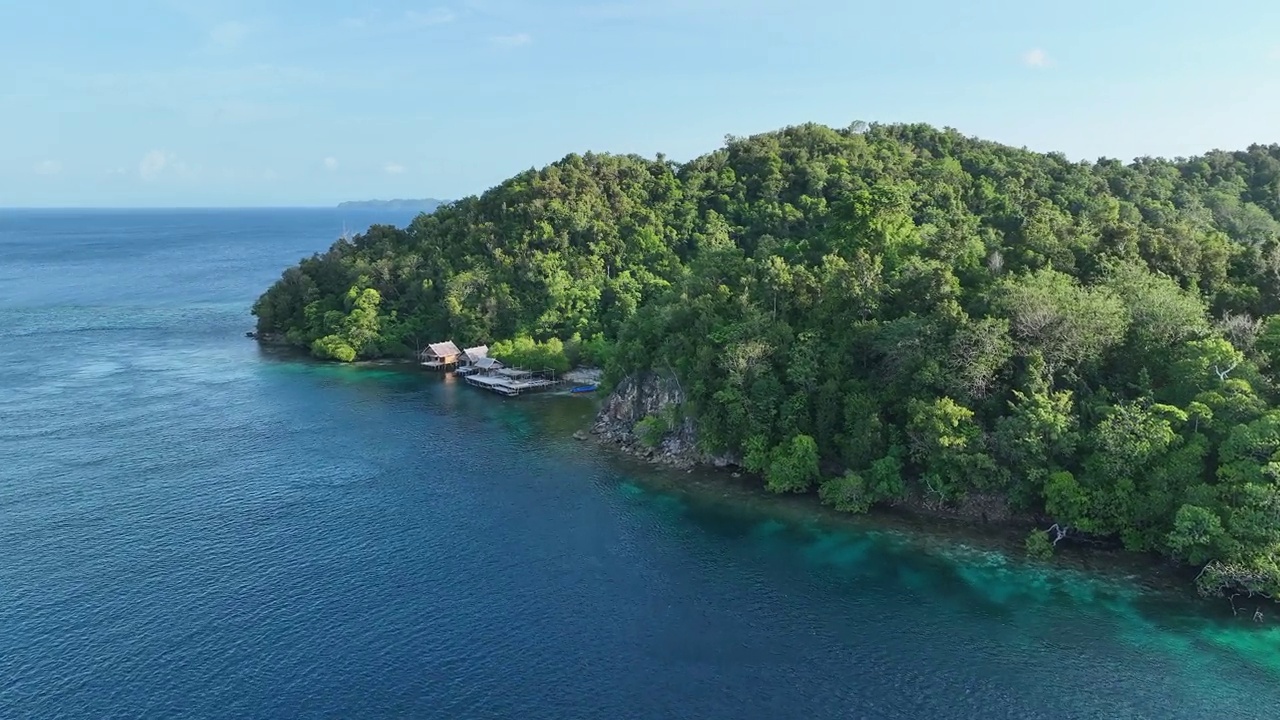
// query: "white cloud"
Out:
[1274,53]
[392,168]
[152,164]
[1036,58]
[331,163]
[511,41]
[269,174]
[434,16]
[48,167]
[229,35]
[158,163]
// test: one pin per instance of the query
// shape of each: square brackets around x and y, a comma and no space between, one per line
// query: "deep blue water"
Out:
[192,527]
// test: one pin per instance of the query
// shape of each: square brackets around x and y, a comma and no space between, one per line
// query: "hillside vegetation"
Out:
[887,312]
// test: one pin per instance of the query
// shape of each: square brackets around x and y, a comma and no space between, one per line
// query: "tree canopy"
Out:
[887,312]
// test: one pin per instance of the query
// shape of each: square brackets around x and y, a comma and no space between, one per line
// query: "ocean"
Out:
[192,526]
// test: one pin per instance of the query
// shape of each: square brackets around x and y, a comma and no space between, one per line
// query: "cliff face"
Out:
[659,398]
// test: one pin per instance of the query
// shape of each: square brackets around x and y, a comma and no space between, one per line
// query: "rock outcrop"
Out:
[673,437]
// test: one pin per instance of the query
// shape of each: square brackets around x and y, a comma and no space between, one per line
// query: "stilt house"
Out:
[441,355]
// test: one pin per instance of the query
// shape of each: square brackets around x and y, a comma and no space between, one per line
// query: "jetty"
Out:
[512,381]
[475,366]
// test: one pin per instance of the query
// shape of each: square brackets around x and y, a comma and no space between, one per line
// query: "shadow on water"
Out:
[930,567]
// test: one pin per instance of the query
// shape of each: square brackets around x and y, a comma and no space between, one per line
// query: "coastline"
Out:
[676,465]
[1005,536]
[983,521]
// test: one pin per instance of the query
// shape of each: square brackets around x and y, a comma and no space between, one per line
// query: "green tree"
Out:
[794,465]
[1039,434]
[948,444]
[846,493]
[1197,535]
[333,347]
[916,312]
[1051,314]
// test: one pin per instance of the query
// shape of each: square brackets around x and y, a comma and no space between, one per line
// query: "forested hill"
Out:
[887,312]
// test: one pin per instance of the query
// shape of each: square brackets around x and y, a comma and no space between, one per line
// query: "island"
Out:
[426,205]
[880,315]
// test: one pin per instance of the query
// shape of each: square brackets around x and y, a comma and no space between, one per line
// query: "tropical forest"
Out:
[885,315]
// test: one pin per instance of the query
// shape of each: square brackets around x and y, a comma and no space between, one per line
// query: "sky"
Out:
[206,103]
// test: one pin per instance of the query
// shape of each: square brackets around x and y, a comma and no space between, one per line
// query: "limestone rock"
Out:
[652,394]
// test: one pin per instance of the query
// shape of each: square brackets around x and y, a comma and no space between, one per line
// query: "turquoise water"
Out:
[194,527]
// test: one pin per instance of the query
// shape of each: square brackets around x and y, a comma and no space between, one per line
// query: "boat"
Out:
[583,389]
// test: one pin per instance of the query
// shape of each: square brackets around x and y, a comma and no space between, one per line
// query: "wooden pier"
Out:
[511,381]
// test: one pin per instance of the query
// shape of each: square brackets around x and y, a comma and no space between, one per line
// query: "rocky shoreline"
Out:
[980,516]
[660,399]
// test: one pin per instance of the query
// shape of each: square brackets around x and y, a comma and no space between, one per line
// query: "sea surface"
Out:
[194,527]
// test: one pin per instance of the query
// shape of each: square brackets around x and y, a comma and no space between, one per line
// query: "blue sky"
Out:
[232,102]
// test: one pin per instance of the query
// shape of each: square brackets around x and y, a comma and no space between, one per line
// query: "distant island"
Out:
[425,205]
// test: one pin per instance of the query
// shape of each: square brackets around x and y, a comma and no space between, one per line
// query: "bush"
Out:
[651,430]
[884,479]
[593,352]
[847,493]
[794,465]
[332,347]
[755,455]
[1038,545]
[527,353]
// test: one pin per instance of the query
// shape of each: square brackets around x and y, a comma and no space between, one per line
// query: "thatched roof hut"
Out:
[441,354]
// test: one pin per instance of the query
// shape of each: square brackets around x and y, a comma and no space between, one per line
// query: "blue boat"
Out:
[583,389]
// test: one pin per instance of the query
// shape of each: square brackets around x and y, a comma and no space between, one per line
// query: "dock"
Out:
[511,381]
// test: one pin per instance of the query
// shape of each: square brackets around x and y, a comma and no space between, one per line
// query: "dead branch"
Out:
[1222,374]
[1060,533]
